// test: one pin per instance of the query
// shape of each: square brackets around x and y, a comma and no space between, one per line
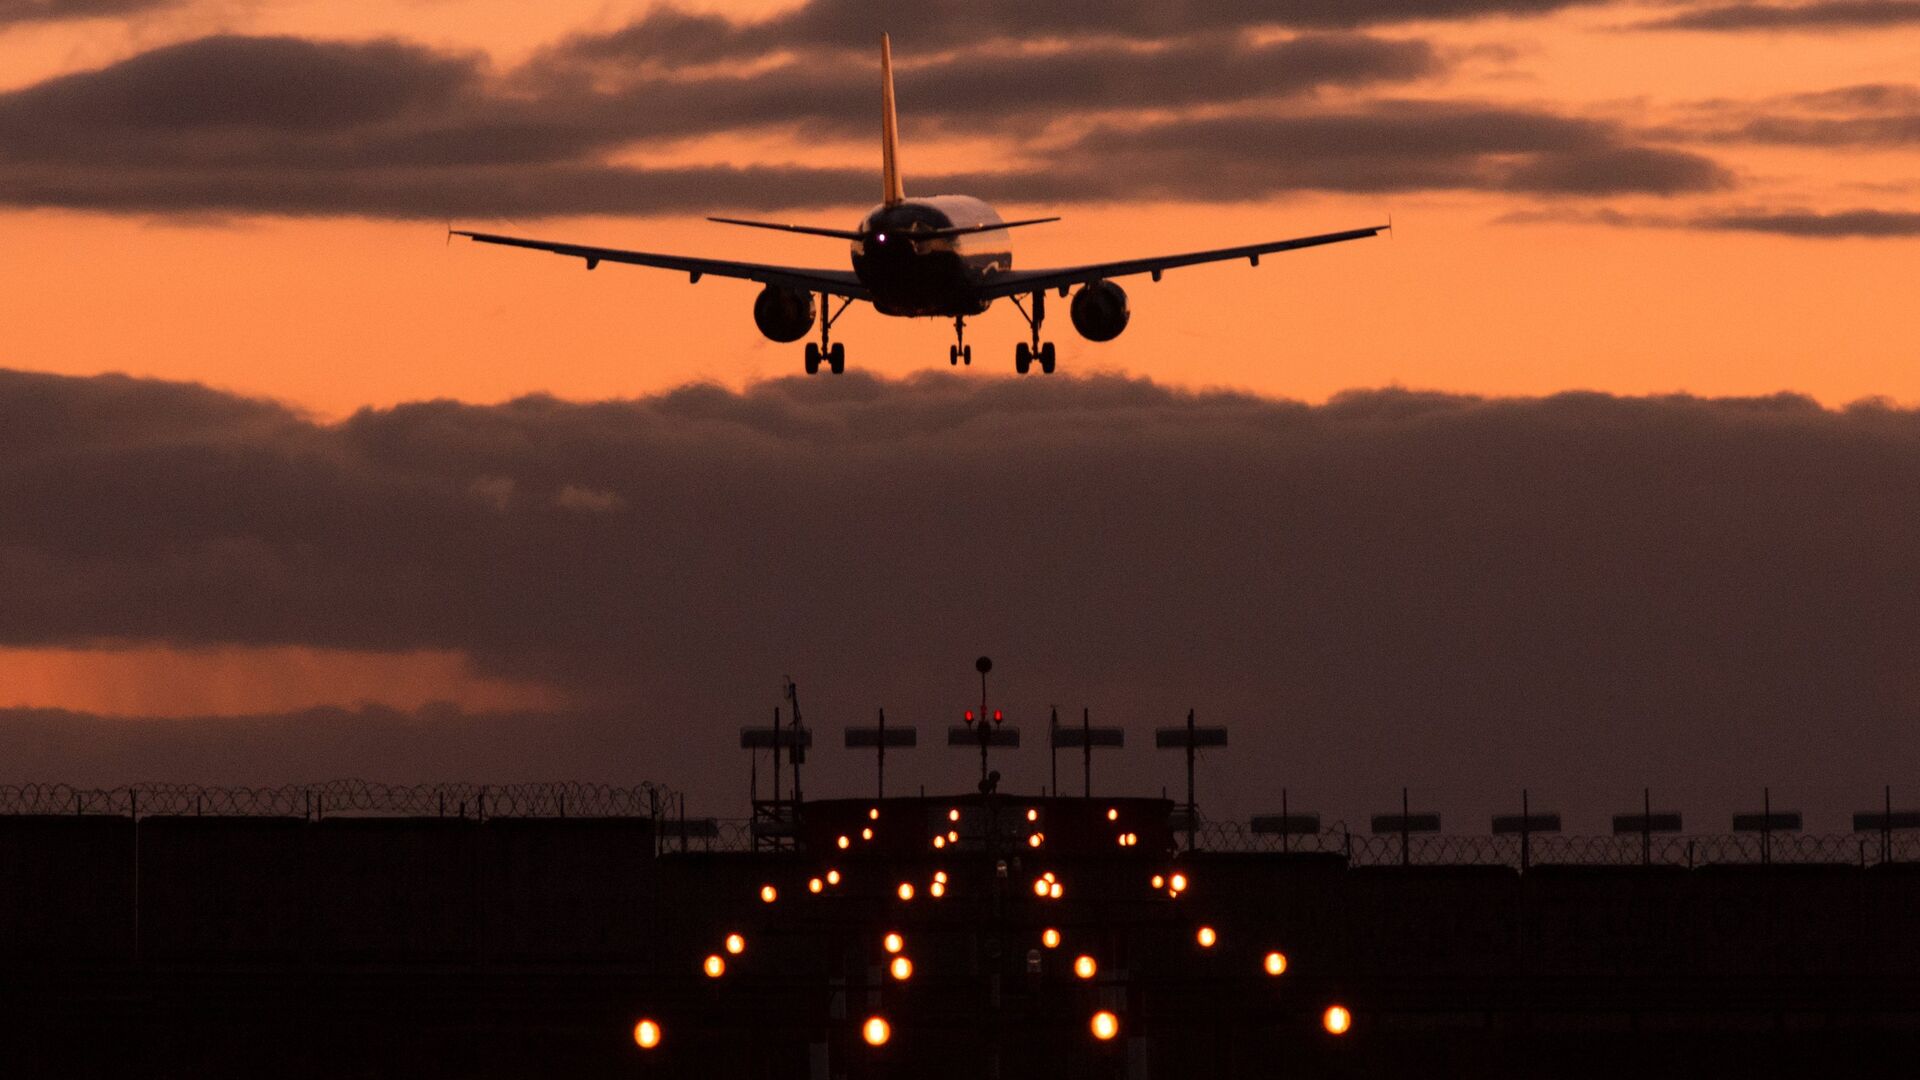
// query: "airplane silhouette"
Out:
[948,256]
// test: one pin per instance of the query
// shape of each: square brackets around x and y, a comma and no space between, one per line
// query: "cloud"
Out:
[1824,15]
[1584,593]
[25,11]
[1839,224]
[673,34]
[233,125]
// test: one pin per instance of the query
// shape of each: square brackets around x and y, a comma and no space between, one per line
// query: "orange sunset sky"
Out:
[1711,197]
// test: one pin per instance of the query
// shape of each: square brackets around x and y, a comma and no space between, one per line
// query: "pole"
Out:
[776,756]
[1086,754]
[1193,822]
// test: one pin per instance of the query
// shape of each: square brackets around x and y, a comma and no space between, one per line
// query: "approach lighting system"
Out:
[1033,815]
[939,842]
[1159,882]
[1040,886]
[901,969]
[1337,1020]
[1084,966]
[1276,963]
[768,894]
[876,1031]
[646,1034]
[893,943]
[1054,890]
[1113,814]
[905,891]
[833,877]
[1105,1025]
[1036,839]
[1050,938]
[714,966]
[842,841]
[873,814]
[736,944]
[937,890]
[814,885]
[866,834]
[1178,883]
[1206,937]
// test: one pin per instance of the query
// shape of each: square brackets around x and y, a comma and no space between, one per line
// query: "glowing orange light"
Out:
[905,891]
[1206,937]
[714,966]
[953,815]
[1159,882]
[768,894]
[901,969]
[893,943]
[1050,938]
[1084,966]
[842,841]
[1054,890]
[736,944]
[866,834]
[1121,839]
[1105,1025]
[953,837]
[876,1031]
[873,814]
[1337,1020]
[1112,814]
[940,876]
[1050,879]
[1035,840]
[1040,886]
[1178,883]
[1276,963]
[938,889]
[939,842]
[833,877]
[646,1034]
[814,885]
[1033,815]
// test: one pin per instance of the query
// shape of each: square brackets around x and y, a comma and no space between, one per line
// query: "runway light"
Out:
[736,944]
[940,876]
[1033,815]
[1206,937]
[1040,886]
[1050,938]
[876,1031]
[939,842]
[1105,1025]
[1337,1020]
[768,894]
[1035,840]
[1112,814]
[1054,890]
[953,837]
[866,834]
[1048,877]
[833,877]
[714,966]
[646,1034]
[1178,883]
[905,891]
[901,969]
[938,889]
[1276,963]
[873,814]
[1084,966]
[842,841]
[893,943]
[1159,882]
[814,885]
[953,815]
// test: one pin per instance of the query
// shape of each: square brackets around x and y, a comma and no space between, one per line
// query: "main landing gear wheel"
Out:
[834,355]
[813,358]
[1022,358]
[837,359]
[1025,354]
[960,352]
[1046,358]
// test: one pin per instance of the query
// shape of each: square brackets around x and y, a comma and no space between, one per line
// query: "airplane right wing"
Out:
[832,282]
[1014,282]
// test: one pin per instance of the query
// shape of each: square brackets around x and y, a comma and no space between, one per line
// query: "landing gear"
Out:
[960,352]
[834,355]
[1025,354]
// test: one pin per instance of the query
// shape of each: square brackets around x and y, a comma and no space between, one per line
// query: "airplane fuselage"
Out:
[938,276]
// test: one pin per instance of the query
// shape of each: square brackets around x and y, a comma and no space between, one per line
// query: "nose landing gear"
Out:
[834,355]
[960,352]
[1024,354]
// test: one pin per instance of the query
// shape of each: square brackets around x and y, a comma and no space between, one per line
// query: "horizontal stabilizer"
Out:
[855,234]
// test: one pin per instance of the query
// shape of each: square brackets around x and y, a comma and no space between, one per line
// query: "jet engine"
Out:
[783,314]
[1100,311]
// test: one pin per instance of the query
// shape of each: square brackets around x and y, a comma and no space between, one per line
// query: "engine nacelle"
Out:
[1100,311]
[783,314]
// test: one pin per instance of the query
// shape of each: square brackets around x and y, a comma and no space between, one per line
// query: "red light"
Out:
[996,716]
[969,716]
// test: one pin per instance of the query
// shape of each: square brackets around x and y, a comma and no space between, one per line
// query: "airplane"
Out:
[948,256]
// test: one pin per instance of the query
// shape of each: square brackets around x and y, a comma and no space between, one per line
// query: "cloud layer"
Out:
[1583,593]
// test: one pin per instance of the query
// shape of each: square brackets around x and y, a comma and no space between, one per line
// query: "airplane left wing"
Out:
[832,282]
[1014,282]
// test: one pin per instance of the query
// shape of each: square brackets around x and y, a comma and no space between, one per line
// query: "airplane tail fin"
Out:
[889,129]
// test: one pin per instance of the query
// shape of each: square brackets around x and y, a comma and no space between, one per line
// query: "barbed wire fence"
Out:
[341,798]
